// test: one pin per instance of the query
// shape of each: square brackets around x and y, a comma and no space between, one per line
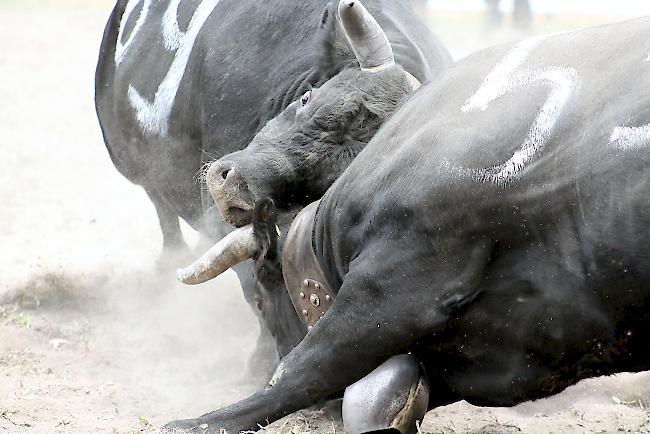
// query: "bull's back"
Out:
[532,143]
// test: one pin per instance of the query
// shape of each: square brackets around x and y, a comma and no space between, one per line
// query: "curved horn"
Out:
[234,248]
[414,82]
[366,37]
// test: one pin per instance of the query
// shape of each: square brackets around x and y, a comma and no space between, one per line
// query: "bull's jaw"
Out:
[238,216]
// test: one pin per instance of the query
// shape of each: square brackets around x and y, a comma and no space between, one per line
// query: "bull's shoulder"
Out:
[514,126]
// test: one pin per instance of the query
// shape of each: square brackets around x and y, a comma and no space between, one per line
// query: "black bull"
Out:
[497,227]
[180,83]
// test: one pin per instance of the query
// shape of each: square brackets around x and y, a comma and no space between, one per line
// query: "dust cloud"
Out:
[93,335]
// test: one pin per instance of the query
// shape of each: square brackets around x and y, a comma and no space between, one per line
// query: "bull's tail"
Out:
[105,65]
[105,72]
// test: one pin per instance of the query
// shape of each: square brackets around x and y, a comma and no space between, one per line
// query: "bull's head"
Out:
[302,151]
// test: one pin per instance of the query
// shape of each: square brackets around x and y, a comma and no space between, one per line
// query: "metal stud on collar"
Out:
[312,299]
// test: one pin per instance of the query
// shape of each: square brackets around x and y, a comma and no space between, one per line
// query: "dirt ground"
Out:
[93,337]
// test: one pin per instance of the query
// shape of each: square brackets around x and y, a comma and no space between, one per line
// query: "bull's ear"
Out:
[333,51]
[265,228]
[264,211]
[384,104]
[368,111]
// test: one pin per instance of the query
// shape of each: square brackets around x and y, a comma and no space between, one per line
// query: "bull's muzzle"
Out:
[230,192]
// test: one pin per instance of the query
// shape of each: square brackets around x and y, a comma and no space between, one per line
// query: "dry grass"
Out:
[53,290]
[305,422]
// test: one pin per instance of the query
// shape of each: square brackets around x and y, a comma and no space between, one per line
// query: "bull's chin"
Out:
[238,217]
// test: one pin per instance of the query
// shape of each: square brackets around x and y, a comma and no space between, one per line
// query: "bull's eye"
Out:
[305,98]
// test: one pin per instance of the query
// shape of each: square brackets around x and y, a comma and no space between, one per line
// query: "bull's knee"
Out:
[392,397]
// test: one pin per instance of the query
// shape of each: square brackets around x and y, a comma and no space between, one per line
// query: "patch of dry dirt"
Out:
[101,353]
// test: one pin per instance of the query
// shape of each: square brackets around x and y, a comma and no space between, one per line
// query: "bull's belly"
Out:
[519,343]
[167,168]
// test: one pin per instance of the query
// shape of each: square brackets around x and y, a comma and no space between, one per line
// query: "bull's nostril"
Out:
[218,172]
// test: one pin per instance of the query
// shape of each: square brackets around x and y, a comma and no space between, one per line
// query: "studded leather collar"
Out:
[308,288]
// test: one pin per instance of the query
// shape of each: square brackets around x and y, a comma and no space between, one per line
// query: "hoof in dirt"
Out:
[187,425]
[191,426]
[171,259]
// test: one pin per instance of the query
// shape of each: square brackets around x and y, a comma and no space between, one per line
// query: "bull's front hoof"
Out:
[188,425]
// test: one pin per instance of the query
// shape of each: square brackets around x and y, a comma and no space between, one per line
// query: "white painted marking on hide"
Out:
[630,138]
[503,79]
[121,48]
[154,117]
[172,34]
[494,85]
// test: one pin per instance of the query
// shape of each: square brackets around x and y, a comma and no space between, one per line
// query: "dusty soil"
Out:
[93,337]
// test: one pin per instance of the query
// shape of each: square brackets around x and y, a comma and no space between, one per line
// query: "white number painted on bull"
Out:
[503,79]
[172,34]
[121,48]
[631,138]
[153,117]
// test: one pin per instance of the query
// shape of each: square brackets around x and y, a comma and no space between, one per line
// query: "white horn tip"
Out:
[366,37]
[183,276]
[345,5]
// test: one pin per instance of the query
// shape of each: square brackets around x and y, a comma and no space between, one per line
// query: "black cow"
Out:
[497,228]
[179,84]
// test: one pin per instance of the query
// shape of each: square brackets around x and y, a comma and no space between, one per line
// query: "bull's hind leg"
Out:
[365,326]
[392,398]
[174,246]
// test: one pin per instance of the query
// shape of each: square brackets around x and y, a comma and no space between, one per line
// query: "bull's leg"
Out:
[366,325]
[392,397]
[264,358]
[173,241]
